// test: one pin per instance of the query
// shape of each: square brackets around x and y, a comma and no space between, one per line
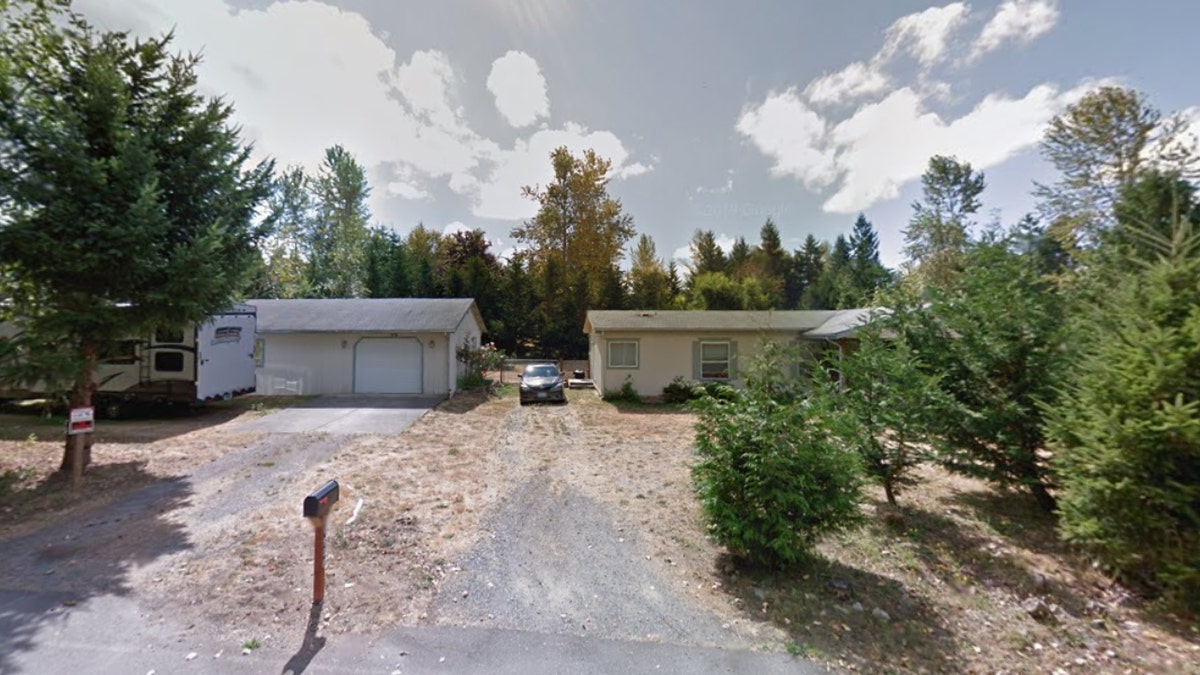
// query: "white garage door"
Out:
[387,366]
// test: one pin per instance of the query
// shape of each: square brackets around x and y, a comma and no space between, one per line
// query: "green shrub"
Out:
[626,393]
[770,478]
[681,391]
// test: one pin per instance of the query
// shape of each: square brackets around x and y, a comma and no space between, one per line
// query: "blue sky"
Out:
[716,115]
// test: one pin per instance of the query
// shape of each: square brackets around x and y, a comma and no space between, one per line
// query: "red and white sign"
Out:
[82,421]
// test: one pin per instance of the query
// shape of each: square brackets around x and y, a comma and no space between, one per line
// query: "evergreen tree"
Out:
[514,328]
[806,269]
[706,255]
[832,290]
[887,407]
[996,340]
[387,273]
[739,258]
[127,201]
[1126,435]
[867,273]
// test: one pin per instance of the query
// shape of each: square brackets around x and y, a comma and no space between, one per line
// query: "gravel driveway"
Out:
[555,560]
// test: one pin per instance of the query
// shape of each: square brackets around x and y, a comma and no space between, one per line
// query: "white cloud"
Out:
[883,145]
[784,128]
[355,90]
[406,190]
[926,34]
[868,153]
[887,144]
[1019,21]
[854,81]
[520,90]
[724,189]
[454,227]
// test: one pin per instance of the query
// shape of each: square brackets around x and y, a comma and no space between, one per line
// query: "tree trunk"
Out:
[890,492]
[77,451]
[1044,499]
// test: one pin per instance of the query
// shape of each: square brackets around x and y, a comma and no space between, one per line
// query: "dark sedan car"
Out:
[542,382]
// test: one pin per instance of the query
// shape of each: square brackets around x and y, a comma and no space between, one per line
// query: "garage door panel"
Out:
[388,366]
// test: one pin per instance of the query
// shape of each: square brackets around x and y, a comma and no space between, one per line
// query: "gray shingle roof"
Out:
[716,320]
[811,323]
[362,315]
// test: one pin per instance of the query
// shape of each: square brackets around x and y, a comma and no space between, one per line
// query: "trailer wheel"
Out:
[112,408]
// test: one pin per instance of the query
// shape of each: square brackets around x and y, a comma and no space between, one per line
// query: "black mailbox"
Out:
[318,503]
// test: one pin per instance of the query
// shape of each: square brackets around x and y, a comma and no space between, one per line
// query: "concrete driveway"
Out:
[344,415]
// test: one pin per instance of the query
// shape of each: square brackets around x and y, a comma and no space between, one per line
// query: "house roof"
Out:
[364,315]
[844,323]
[822,324]
[715,320]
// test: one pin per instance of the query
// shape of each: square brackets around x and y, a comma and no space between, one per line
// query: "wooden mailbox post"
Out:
[316,509]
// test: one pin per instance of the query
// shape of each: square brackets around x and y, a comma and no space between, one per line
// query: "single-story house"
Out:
[363,345]
[651,348]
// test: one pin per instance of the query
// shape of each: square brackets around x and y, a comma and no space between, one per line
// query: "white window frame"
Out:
[637,354]
[728,360]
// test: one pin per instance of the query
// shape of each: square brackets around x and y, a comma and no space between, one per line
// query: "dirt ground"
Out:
[946,584]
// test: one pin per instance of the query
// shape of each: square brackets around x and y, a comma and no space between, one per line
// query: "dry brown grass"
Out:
[951,567]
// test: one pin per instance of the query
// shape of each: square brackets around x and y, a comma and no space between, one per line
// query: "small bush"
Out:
[626,393]
[473,380]
[12,479]
[771,478]
[681,391]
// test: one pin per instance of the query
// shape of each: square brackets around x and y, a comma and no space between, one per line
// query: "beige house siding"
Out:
[323,363]
[663,356]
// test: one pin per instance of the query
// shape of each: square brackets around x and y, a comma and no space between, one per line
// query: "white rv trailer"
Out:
[213,360]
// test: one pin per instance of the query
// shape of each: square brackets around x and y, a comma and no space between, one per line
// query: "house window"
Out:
[623,354]
[168,362]
[260,352]
[168,336]
[714,360]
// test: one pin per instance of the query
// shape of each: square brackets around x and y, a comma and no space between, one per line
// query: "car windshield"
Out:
[541,371]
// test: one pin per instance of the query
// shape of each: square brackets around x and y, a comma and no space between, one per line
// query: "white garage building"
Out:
[363,346]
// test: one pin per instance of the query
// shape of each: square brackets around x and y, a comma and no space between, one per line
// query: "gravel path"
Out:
[555,560]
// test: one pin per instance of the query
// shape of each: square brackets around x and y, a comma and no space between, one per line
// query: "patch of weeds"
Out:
[252,643]
[796,649]
[454,452]
[266,465]
[11,478]
[639,496]
[31,439]
[684,541]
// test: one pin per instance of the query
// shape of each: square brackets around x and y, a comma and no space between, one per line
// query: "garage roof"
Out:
[364,315]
